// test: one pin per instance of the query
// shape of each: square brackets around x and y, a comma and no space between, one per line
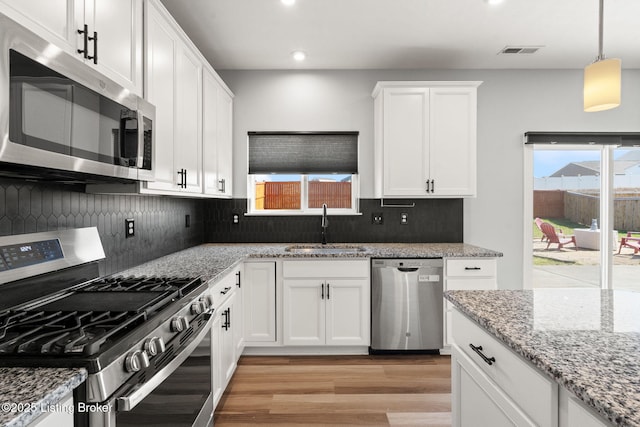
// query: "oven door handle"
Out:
[128,402]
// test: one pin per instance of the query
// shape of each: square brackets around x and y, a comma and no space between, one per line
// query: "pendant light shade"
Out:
[602,79]
[602,82]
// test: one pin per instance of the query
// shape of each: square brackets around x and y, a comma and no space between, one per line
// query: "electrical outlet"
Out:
[236,218]
[377,218]
[404,218]
[187,221]
[129,228]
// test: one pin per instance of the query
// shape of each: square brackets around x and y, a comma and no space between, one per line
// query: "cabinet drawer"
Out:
[325,269]
[531,390]
[222,288]
[471,267]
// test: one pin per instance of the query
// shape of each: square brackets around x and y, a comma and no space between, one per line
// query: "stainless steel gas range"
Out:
[130,333]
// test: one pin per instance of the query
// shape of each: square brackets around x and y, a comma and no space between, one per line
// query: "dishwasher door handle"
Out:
[407,269]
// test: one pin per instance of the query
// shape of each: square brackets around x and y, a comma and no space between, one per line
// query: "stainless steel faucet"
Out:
[324,223]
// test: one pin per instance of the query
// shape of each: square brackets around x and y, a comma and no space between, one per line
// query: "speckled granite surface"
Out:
[588,340]
[213,260]
[25,393]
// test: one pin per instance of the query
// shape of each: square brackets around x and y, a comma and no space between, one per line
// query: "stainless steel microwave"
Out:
[61,118]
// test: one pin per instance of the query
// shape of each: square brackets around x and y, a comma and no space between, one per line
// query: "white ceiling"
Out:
[407,34]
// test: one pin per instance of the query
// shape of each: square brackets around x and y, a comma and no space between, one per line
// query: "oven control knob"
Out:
[136,360]
[179,324]
[196,308]
[206,302]
[154,346]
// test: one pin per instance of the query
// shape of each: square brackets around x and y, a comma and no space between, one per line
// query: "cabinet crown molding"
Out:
[426,84]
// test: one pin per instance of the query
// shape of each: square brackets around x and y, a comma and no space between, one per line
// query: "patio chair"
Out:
[631,242]
[552,237]
[539,222]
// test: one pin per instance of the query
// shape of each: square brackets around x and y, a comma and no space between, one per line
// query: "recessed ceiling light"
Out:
[288,2]
[299,55]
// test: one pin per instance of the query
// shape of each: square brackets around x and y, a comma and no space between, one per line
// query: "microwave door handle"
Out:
[140,152]
[129,401]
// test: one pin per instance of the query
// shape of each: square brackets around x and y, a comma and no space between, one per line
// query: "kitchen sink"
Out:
[324,249]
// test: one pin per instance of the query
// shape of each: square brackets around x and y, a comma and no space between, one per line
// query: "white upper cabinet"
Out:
[425,139]
[174,73]
[217,113]
[113,41]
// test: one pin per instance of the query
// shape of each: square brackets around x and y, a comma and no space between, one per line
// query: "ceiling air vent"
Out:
[510,50]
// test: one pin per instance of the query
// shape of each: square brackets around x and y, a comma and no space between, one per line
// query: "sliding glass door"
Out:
[578,192]
[566,215]
[626,219]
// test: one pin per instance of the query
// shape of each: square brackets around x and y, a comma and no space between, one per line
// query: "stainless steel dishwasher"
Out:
[406,305]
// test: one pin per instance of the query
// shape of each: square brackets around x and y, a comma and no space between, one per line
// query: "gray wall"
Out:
[510,102]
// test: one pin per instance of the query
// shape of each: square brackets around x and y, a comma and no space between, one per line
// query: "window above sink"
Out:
[295,173]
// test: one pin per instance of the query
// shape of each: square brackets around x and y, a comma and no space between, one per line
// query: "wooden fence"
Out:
[286,195]
[548,204]
[581,208]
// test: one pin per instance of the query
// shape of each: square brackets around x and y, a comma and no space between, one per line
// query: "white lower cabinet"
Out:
[259,286]
[466,274]
[57,418]
[492,383]
[326,303]
[226,331]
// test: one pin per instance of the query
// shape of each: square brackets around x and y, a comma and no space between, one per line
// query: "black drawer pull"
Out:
[478,350]
[225,290]
[472,268]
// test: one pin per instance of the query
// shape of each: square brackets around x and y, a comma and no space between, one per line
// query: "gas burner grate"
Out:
[74,332]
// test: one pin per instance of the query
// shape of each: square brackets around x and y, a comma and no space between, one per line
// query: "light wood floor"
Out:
[338,391]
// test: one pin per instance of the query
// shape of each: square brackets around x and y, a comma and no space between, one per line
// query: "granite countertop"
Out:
[26,393]
[587,340]
[211,261]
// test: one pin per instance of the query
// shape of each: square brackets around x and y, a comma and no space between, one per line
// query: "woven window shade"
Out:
[623,139]
[303,152]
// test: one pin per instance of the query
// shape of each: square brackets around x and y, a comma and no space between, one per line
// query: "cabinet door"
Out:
[119,27]
[475,397]
[210,88]
[228,348]
[303,313]
[260,302]
[238,313]
[53,20]
[188,131]
[161,45]
[225,143]
[347,312]
[406,141]
[452,137]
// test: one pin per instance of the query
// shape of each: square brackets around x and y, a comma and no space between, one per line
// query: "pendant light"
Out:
[602,79]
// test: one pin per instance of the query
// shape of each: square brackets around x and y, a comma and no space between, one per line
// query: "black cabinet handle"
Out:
[478,350]
[427,186]
[95,47]
[85,32]
[472,268]
[228,317]
[238,282]
[225,324]
[322,292]
[183,178]
[433,186]
[222,185]
[224,291]
[328,284]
